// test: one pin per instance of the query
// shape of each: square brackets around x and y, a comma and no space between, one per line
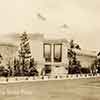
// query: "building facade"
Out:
[8,53]
[50,53]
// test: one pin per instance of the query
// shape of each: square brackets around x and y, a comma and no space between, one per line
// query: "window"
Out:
[57,52]
[47,52]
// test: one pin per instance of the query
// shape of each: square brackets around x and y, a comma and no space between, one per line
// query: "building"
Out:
[86,57]
[8,52]
[51,53]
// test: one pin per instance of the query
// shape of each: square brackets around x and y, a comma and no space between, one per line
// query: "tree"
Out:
[74,65]
[32,69]
[96,64]
[17,71]
[24,51]
[71,53]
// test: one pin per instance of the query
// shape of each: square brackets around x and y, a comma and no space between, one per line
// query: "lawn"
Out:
[77,89]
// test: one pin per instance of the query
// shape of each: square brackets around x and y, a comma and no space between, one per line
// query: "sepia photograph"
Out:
[49,50]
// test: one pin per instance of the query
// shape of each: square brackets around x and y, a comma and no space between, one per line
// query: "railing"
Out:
[46,78]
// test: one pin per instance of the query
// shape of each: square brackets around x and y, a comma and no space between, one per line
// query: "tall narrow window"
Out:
[57,52]
[47,52]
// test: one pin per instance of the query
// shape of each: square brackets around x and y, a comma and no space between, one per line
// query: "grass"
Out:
[82,89]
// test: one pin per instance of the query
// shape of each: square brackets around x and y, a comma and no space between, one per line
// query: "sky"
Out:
[80,16]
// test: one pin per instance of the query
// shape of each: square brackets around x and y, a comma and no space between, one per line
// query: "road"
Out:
[77,89]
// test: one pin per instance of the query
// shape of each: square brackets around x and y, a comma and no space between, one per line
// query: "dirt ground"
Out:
[77,89]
